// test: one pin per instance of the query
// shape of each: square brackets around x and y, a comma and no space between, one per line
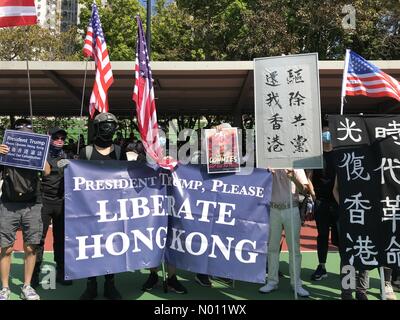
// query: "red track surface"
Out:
[308,239]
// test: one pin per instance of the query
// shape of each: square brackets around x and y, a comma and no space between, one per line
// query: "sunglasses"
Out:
[59,138]
[20,126]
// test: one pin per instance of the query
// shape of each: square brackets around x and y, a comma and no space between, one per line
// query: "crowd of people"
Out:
[31,201]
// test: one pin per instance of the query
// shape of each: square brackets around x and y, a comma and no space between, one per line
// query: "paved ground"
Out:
[130,283]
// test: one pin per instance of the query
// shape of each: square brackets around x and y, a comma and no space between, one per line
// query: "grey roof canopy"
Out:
[217,87]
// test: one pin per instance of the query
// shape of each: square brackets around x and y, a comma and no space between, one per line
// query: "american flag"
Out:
[17,13]
[143,95]
[364,78]
[95,46]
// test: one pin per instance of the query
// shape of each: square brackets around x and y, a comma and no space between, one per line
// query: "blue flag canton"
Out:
[96,25]
[359,65]
[142,55]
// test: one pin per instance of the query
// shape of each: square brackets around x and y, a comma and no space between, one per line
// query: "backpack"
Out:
[19,185]
[89,151]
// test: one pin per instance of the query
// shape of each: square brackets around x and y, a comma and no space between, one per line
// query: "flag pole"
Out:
[344,80]
[382,283]
[292,242]
[29,83]
[83,99]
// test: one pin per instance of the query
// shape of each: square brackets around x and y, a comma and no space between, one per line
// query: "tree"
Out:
[119,25]
[216,24]
[301,26]
[172,34]
[37,43]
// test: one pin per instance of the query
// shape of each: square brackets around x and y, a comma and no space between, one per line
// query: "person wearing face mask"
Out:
[53,205]
[326,211]
[19,209]
[105,125]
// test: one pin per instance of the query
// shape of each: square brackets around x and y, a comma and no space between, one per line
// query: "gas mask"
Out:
[104,133]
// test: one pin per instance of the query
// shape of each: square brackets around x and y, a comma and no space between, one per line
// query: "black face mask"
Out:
[106,131]
[101,143]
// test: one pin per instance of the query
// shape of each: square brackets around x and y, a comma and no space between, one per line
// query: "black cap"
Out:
[23,125]
[54,130]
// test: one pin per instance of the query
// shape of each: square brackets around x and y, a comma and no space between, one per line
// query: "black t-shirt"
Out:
[98,156]
[19,185]
[324,179]
[53,184]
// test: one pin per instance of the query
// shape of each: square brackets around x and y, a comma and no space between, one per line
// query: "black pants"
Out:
[52,212]
[326,217]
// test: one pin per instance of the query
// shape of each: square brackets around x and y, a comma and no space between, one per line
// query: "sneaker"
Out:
[396,285]
[203,280]
[28,293]
[319,274]
[90,292]
[5,294]
[174,285]
[268,288]
[301,292]
[361,295]
[110,291]
[151,282]
[390,295]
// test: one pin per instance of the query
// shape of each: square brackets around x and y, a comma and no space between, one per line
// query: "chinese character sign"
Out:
[368,168]
[288,112]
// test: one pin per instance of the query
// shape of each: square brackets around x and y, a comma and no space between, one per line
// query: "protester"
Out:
[282,215]
[326,211]
[53,205]
[19,209]
[362,276]
[172,282]
[105,126]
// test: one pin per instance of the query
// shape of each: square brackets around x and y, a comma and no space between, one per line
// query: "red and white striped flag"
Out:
[143,95]
[95,47]
[17,13]
[364,78]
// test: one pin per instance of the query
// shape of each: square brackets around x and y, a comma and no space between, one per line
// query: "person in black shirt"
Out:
[53,205]
[326,213]
[105,126]
[19,209]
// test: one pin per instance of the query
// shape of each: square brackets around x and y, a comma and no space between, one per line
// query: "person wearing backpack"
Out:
[19,209]
[53,205]
[105,125]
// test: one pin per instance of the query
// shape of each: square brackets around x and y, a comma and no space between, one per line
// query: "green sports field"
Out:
[130,283]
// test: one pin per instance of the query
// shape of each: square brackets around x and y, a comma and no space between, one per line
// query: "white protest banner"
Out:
[288,112]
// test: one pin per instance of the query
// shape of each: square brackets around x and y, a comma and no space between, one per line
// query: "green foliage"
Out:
[119,25]
[222,30]
[37,43]
[172,34]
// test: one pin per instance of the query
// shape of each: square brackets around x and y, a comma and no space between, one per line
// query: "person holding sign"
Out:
[327,211]
[282,208]
[53,204]
[19,209]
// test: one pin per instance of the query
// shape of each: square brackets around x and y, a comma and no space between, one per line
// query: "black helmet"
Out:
[105,125]
[23,125]
[105,117]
